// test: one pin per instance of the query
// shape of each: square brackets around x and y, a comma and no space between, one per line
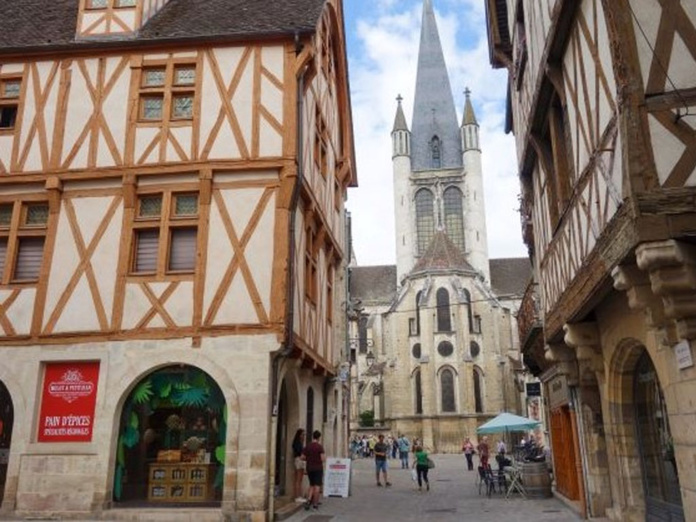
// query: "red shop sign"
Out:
[67,402]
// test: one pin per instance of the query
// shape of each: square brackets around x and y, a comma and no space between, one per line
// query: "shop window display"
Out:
[171,444]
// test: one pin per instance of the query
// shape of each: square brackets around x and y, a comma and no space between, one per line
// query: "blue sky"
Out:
[382,54]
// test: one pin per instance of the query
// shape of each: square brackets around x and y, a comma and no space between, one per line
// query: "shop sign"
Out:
[682,350]
[558,392]
[337,480]
[67,402]
[533,389]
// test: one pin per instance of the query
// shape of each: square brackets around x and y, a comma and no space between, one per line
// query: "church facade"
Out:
[437,351]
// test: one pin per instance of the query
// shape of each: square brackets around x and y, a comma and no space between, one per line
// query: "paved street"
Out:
[453,496]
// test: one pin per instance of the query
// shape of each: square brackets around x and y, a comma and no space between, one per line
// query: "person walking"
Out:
[420,462]
[300,464]
[381,450]
[315,456]
[484,452]
[468,449]
[404,447]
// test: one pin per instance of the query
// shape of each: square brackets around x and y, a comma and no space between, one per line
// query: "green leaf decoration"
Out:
[220,454]
[121,453]
[200,380]
[216,400]
[130,437]
[219,476]
[191,397]
[165,390]
[118,482]
[134,421]
[143,393]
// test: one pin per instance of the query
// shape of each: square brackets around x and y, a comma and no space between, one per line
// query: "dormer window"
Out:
[10,89]
[104,4]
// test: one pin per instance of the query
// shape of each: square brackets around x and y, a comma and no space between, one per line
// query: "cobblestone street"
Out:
[453,496]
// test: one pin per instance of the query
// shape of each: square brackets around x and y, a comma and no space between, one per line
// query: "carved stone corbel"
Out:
[565,361]
[584,338]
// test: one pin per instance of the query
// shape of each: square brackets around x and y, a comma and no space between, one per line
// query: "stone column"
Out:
[584,339]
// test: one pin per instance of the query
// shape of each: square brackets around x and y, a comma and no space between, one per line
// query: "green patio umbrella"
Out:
[505,422]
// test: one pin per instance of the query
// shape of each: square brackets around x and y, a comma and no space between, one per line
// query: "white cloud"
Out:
[383,55]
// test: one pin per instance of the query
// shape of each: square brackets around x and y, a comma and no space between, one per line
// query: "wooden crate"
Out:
[180,482]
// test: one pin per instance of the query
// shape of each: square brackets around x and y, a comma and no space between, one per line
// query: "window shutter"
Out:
[29,257]
[182,251]
[146,246]
[3,255]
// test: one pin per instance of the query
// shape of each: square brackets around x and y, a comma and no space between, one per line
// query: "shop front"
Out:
[171,443]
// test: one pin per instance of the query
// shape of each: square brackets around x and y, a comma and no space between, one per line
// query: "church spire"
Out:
[435,139]
[401,137]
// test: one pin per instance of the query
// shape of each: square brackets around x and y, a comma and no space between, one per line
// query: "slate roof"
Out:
[49,24]
[433,106]
[510,276]
[442,254]
[373,284]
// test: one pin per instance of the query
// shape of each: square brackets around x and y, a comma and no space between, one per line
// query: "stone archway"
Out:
[634,430]
[288,422]
[6,424]
[172,439]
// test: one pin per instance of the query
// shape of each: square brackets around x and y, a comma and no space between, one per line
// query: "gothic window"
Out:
[310,411]
[469,313]
[454,216]
[444,322]
[478,391]
[418,391]
[436,152]
[418,298]
[447,391]
[362,334]
[425,219]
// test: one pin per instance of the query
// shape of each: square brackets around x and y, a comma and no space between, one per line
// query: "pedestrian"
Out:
[315,458]
[394,447]
[468,449]
[381,449]
[420,462]
[404,447]
[484,452]
[501,449]
[300,464]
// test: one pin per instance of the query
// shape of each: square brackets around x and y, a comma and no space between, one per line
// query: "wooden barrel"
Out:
[536,479]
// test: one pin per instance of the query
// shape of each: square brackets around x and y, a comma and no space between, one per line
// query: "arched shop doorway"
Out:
[281,455]
[663,500]
[171,443]
[6,421]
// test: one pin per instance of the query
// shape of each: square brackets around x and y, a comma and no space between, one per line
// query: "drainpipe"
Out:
[287,345]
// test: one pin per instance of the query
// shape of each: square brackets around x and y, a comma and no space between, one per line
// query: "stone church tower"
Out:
[436,350]
[438,183]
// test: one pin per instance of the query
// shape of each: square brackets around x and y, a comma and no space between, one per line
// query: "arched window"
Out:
[444,322]
[478,391]
[454,216]
[310,412]
[436,152]
[416,351]
[418,392]
[469,313]
[447,391]
[418,298]
[425,219]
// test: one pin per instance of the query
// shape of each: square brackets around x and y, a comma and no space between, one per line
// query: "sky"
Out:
[383,38]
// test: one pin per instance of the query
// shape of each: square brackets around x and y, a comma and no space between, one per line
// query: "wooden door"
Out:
[564,456]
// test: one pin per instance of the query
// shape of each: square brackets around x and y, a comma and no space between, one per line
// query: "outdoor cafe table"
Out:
[514,476]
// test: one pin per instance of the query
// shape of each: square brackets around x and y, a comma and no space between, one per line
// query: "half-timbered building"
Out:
[436,346]
[602,104]
[172,185]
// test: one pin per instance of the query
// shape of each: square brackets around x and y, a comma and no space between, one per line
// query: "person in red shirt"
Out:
[315,457]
